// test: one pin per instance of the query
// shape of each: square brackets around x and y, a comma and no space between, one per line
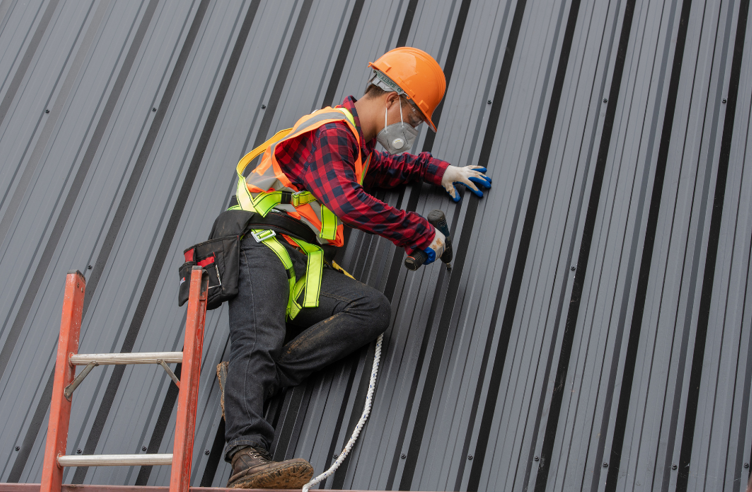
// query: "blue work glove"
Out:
[436,248]
[470,177]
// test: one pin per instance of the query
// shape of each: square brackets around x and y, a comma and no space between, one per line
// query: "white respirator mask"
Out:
[398,137]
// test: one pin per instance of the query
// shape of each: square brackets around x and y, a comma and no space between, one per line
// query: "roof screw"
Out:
[89,267]
[489,101]
[746,465]
[536,458]
[470,457]
[573,268]
[18,448]
[47,110]
[605,100]
[403,456]
[143,448]
[78,451]
[263,106]
[674,467]
[724,102]
[605,465]
[207,452]
[154,110]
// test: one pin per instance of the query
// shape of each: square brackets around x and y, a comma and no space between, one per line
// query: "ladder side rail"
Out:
[185,424]
[60,407]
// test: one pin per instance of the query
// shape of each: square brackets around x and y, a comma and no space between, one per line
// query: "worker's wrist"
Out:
[435,171]
[423,242]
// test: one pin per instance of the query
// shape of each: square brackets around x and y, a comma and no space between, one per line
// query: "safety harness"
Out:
[268,189]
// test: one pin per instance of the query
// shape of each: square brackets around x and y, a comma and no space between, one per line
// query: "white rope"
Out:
[361,422]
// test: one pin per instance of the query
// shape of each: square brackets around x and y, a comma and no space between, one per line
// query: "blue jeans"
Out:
[350,315]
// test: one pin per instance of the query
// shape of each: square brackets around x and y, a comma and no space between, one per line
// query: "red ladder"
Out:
[65,384]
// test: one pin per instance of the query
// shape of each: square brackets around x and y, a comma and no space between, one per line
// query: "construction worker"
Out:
[317,178]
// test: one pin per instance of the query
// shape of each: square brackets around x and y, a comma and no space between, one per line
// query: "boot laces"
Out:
[260,453]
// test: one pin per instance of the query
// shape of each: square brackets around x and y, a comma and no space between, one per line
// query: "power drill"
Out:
[438,220]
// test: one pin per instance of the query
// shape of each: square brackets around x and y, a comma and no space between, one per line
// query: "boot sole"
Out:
[287,476]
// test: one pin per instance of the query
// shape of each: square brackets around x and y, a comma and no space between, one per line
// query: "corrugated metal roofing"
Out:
[594,333]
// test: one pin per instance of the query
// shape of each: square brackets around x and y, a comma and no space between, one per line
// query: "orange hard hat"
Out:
[418,75]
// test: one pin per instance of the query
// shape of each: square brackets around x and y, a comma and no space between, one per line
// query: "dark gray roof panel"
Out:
[594,331]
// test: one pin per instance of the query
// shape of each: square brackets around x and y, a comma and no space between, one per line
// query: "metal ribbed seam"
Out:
[706,295]
[620,422]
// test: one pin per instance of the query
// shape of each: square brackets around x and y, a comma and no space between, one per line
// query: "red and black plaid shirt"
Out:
[323,162]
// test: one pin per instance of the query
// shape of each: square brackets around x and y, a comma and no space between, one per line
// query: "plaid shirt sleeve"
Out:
[390,171]
[329,173]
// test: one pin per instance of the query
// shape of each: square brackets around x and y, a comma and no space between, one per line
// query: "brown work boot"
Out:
[222,369]
[253,469]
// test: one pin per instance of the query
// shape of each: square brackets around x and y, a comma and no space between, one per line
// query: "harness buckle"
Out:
[263,235]
[295,199]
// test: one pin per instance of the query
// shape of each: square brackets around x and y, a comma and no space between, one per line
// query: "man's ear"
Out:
[391,98]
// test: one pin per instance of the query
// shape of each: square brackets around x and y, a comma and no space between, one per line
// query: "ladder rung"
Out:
[116,460]
[128,358]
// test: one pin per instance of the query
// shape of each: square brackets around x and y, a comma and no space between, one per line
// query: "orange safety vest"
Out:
[269,187]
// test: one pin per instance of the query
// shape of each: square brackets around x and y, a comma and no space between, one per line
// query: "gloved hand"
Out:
[436,248]
[468,176]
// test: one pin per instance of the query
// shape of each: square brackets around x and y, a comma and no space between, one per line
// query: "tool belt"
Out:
[220,257]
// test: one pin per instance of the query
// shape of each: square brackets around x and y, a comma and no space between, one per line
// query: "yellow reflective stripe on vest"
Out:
[365,169]
[368,159]
[241,193]
[348,114]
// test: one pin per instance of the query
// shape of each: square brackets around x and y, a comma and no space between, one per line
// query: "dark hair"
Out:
[374,91]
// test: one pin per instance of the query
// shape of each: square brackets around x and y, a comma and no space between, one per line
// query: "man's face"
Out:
[410,114]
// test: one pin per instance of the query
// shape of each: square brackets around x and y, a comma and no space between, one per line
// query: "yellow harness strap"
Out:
[263,203]
[267,237]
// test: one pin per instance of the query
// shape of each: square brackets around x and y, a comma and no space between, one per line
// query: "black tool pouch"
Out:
[219,256]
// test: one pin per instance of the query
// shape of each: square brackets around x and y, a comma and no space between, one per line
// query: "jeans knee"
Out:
[380,312]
